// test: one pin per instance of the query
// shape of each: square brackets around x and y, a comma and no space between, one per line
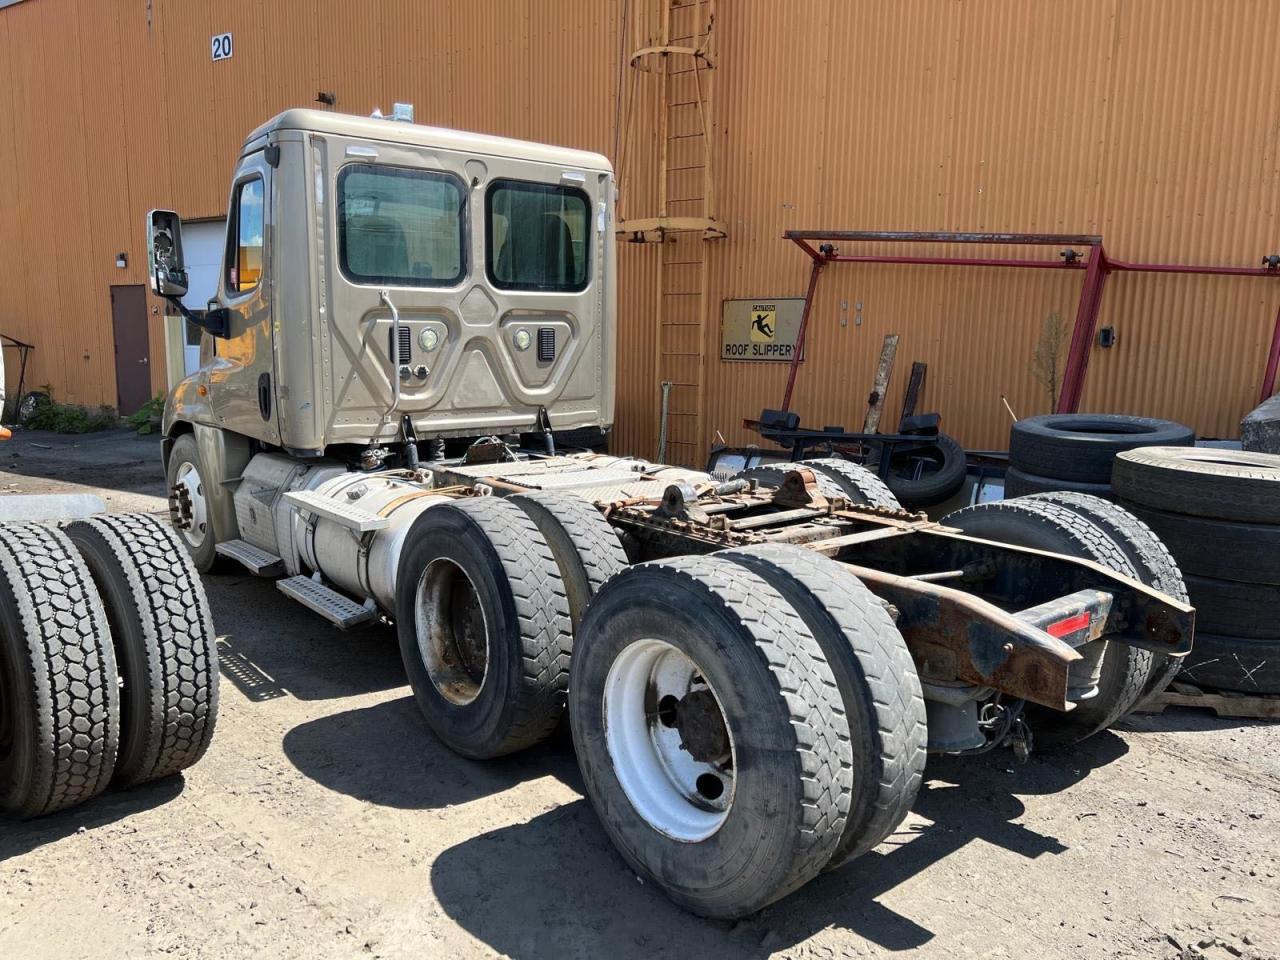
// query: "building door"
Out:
[133,347]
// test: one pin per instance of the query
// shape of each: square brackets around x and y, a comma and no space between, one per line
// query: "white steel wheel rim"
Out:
[452,632]
[188,477]
[674,791]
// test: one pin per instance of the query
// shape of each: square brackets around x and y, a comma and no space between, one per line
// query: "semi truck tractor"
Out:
[410,326]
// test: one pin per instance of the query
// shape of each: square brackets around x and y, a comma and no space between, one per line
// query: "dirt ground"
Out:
[327,822]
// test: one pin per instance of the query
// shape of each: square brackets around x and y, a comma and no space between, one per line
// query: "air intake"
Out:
[546,344]
[406,345]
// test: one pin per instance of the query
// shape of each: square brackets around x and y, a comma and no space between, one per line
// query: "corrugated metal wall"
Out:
[1156,125]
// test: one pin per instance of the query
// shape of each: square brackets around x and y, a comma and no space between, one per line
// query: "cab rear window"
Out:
[536,236]
[400,227]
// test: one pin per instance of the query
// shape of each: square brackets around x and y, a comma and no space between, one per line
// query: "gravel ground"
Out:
[327,822]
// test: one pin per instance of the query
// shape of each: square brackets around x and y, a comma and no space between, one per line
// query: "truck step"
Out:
[257,561]
[333,606]
[362,521]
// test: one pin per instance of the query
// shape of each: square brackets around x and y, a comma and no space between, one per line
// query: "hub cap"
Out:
[452,632]
[193,513]
[671,748]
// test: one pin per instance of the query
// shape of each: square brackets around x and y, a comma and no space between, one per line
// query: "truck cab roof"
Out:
[393,131]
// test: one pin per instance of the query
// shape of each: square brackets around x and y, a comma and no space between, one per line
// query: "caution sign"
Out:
[764,325]
[760,329]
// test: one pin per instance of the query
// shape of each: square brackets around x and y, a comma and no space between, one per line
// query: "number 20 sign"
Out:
[222,46]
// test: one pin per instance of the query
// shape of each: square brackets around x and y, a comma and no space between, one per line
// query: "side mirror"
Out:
[165,265]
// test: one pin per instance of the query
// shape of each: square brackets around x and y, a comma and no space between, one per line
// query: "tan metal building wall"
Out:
[1154,124]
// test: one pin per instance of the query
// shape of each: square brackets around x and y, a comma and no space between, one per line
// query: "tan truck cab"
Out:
[382,276]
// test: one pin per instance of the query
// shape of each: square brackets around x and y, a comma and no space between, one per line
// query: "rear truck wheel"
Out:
[59,697]
[710,733]
[1053,527]
[1151,559]
[189,502]
[877,679]
[165,644]
[586,548]
[859,484]
[1019,483]
[483,621]
[771,475]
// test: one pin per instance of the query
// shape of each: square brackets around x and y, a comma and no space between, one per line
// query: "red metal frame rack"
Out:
[1097,267]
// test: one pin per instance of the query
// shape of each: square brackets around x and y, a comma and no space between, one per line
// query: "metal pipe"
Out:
[798,349]
[930,236]
[662,423]
[1082,335]
[956,261]
[385,297]
[1273,362]
[1096,270]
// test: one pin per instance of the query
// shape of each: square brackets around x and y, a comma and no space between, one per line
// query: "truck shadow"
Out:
[385,754]
[555,887]
[270,647]
[112,807]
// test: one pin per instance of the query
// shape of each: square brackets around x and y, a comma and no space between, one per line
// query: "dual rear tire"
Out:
[743,721]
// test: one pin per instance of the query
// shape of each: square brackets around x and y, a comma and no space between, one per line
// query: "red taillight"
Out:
[1070,625]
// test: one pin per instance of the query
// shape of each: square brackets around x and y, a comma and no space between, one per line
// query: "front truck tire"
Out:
[1043,525]
[483,621]
[165,644]
[59,700]
[710,734]
[876,677]
[186,472]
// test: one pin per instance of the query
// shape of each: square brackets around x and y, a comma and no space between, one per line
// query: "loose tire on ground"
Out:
[1050,526]
[734,649]
[1080,447]
[185,468]
[1150,557]
[1250,610]
[1201,481]
[483,622]
[1234,663]
[877,679]
[1019,483]
[165,644]
[949,466]
[1222,549]
[59,700]
[859,484]
[587,550]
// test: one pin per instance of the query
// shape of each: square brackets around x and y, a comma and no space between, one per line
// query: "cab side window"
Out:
[245,238]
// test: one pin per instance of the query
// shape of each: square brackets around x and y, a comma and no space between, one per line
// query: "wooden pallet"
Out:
[1222,702]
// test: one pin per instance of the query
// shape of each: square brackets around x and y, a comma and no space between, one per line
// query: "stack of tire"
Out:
[108,664]
[1218,511]
[1075,451]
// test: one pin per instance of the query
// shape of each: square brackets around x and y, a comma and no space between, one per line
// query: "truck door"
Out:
[242,376]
